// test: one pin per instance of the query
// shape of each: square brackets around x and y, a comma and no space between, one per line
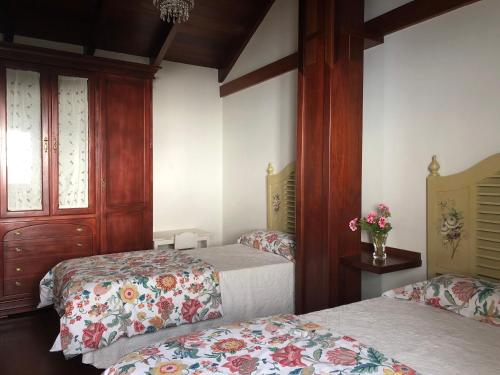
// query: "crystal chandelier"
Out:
[175,10]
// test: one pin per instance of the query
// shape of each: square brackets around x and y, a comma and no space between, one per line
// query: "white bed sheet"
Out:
[430,340]
[253,284]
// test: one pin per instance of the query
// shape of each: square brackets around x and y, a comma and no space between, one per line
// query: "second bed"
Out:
[252,282]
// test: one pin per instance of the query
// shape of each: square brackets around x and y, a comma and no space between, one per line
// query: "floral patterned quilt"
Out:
[105,297]
[282,344]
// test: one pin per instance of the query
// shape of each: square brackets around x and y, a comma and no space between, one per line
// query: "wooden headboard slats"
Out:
[488,227]
[463,220]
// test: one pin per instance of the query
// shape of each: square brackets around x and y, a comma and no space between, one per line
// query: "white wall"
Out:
[430,89]
[375,8]
[187,137]
[275,38]
[259,122]
[187,163]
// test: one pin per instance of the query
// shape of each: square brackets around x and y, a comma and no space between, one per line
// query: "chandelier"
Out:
[175,10]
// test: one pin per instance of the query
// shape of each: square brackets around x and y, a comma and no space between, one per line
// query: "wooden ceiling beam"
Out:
[408,15]
[8,33]
[265,73]
[166,42]
[95,25]
[233,57]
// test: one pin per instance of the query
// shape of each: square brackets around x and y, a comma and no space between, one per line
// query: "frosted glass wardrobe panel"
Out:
[24,141]
[73,142]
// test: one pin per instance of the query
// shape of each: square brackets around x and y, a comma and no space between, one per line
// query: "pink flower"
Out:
[370,218]
[92,335]
[403,369]
[213,315]
[435,301]
[382,222]
[383,207]
[146,352]
[165,307]
[138,326]
[347,338]
[243,364]
[342,356]
[66,336]
[353,224]
[272,237]
[289,356]
[189,309]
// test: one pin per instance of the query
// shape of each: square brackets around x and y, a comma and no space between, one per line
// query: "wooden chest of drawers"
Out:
[30,251]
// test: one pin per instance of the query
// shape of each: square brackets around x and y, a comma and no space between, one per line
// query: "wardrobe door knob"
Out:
[18,283]
[18,269]
[18,249]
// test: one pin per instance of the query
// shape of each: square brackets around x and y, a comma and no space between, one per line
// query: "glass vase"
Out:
[379,241]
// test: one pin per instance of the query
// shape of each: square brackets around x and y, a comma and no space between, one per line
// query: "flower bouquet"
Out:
[377,224]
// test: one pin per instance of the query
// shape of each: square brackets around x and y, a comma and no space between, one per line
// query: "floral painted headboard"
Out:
[463,220]
[281,199]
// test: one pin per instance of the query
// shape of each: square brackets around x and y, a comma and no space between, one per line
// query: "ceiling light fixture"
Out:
[174,10]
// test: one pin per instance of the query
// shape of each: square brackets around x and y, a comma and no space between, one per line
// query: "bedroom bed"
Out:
[252,283]
[112,304]
[447,325]
[421,338]
[427,339]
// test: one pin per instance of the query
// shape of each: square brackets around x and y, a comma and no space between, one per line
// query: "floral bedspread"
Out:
[282,344]
[105,297]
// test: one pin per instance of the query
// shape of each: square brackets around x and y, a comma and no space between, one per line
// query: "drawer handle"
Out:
[18,249]
[17,232]
[18,283]
[79,229]
[79,244]
[18,269]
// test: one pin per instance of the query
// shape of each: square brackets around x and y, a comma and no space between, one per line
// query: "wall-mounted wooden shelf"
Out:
[397,260]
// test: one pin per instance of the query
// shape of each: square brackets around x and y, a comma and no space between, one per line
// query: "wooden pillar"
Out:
[329,132]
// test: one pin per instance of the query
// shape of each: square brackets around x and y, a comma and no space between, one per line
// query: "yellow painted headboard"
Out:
[281,199]
[463,220]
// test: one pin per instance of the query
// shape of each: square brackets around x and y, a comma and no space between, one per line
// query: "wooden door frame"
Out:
[54,139]
[45,94]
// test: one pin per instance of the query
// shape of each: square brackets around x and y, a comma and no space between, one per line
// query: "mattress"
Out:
[253,283]
[428,339]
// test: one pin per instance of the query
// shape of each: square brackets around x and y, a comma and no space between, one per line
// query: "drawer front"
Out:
[22,285]
[30,267]
[53,230]
[69,248]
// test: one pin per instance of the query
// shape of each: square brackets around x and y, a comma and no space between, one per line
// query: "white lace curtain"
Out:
[24,139]
[73,142]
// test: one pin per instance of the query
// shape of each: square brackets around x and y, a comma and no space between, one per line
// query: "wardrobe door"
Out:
[126,164]
[72,144]
[24,93]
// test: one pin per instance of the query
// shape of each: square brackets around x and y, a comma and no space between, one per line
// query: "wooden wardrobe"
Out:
[75,163]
